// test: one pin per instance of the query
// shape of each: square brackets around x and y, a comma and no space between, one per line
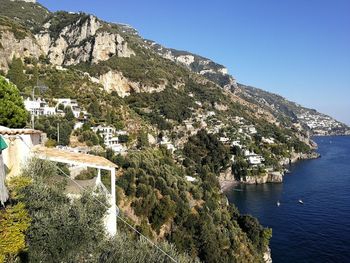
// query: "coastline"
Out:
[227,179]
[324,194]
[226,185]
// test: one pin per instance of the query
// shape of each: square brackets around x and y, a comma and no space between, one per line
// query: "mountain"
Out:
[204,66]
[190,125]
[311,119]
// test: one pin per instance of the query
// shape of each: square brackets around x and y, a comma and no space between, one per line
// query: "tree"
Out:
[94,109]
[67,229]
[123,138]
[65,131]
[69,115]
[142,140]
[15,73]
[12,111]
[256,233]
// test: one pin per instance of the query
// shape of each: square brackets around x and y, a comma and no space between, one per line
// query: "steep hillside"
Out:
[317,123]
[205,67]
[204,127]
[284,110]
[29,13]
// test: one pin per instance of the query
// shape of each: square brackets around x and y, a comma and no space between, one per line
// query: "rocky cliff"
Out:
[270,177]
[82,39]
[74,39]
[201,65]
[15,41]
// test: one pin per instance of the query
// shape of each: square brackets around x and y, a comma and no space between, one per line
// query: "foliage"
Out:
[122,248]
[68,229]
[49,124]
[12,112]
[205,149]
[161,198]
[142,140]
[6,23]
[69,115]
[14,221]
[89,137]
[169,104]
[28,14]
[16,74]
[257,234]
[87,174]
[123,138]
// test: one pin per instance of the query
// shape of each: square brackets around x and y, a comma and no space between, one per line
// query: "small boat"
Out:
[278,203]
[301,201]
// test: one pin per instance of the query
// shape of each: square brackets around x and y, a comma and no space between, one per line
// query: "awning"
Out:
[64,156]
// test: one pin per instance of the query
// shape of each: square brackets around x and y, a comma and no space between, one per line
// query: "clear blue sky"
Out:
[297,48]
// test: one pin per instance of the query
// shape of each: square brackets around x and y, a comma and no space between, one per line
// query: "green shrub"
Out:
[12,111]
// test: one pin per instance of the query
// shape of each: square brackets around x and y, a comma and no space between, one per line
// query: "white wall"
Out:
[18,151]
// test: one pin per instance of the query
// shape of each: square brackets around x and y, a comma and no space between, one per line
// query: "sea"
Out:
[317,230]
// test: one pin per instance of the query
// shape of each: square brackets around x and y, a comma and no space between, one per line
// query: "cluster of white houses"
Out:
[40,107]
[111,137]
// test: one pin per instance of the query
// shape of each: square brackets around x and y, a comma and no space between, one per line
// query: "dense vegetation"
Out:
[153,187]
[41,224]
[28,14]
[160,107]
[18,30]
[200,221]
[12,112]
[205,149]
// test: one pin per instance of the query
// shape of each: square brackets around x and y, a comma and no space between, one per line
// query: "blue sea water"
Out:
[318,230]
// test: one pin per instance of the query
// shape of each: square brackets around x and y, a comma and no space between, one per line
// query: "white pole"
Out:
[58,134]
[34,110]
[112,215]
[98,179]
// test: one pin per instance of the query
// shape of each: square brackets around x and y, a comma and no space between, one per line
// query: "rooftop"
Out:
[9,131]
[64,156]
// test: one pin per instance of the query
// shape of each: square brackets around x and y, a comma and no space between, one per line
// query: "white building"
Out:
[224,139]
[268,140]
[253,158]
[67,102]
[118,148]
[167,143]
[73,104]
[78,125]
[251,129]
[210,113]
[110,137]
[236,143]
[20,142]
[198,103]
[38,107]
[106,132]
[190,178]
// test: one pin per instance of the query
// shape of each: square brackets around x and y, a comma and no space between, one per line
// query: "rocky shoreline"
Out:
[227,180]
